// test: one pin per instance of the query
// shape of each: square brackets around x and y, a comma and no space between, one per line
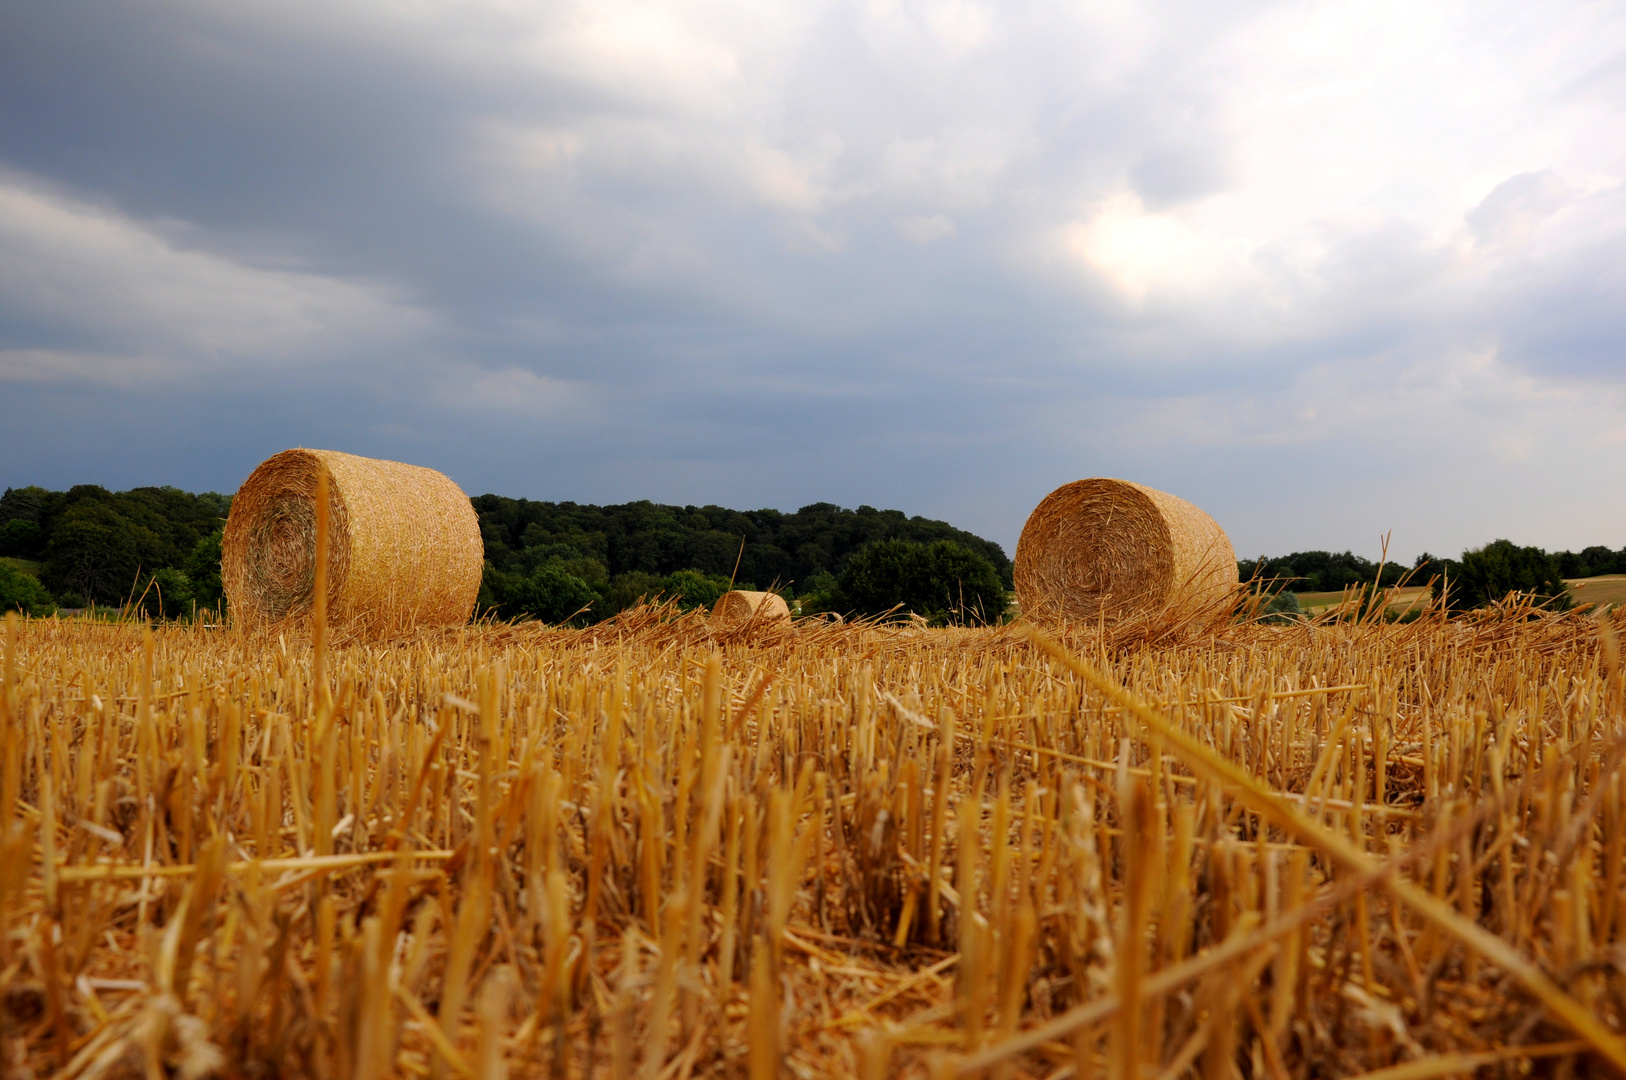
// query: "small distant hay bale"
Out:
[1106,550]
[404,546]
[737,607]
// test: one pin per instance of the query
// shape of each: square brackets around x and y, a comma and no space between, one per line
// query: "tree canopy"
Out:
[105,547]
[20,592]
[941,581]
[1317,571]
[625,552]
[1487,575]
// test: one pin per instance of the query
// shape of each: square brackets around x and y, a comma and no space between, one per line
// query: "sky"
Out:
[1331,271]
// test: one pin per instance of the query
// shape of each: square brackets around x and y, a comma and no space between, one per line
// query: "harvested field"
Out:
[653,849]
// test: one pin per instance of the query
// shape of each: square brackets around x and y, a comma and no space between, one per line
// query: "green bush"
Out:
[693,589]
[202,569]
[942,581]
[19,592]
[630,589]
[1281,608]
[168,594]
[555,595]
[550,593]
[1489,574]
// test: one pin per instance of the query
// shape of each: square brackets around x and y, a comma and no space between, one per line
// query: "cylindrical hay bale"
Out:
[404,546]
[1104,549]
[737,606]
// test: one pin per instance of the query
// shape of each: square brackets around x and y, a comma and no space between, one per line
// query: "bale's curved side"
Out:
[404,545]
[739,605]
[1103,549]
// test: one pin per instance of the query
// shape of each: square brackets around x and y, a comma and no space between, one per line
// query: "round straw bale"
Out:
[1103,549]
[404,546]
[738,606]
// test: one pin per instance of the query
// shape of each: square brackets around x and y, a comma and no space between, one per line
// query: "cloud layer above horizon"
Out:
[1326,269]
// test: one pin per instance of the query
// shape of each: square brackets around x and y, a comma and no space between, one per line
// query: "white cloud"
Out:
[924,229]
[512,390]
[161,307]
[65,366]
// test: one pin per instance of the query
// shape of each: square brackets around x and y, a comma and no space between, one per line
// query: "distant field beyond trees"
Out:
[1483,575]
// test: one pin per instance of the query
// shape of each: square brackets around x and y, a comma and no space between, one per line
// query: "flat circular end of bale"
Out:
[404,547]
[1100,550]
[737,607]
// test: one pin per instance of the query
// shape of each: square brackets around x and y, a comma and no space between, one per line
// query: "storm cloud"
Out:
[1328,270]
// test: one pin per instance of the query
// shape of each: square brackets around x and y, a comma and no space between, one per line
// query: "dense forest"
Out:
[88,545]
[555,561]
[579,563]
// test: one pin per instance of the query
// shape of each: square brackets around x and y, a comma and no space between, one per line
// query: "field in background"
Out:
[1607,590]
[1314,603]
[825,851]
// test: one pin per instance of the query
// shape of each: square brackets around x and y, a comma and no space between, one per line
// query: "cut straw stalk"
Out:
[1248,938]
[121,872]
[1282,814]
[585,729]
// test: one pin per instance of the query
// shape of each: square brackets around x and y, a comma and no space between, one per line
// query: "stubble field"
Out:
[650,850]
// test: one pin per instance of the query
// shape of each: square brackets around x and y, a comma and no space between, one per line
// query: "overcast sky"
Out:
[1325,269]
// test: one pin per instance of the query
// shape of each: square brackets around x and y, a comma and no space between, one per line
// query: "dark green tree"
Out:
[1589,562]
[21,539]
[694,589]
[629,589]
[21,534]
[1489,574]
[554,595]
[1317,571]
[98,553]
[778,548]
[942,581]
[202,569]
[168,594]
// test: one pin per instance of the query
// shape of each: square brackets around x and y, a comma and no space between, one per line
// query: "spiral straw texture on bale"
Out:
[1103,549]
[404,546]
[738,606]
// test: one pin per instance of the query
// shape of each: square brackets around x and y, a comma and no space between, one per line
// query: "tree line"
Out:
[159,548]
[1481,576]
[581,563]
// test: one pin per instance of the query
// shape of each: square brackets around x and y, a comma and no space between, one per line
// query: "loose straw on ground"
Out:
[1282,814]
